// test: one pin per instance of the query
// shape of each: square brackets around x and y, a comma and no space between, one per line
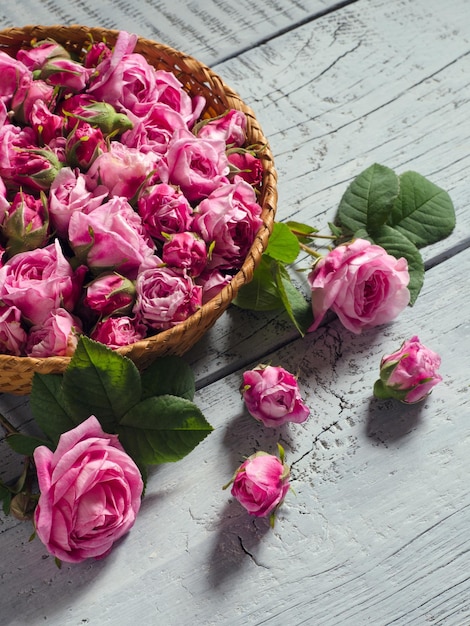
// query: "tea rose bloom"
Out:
[164,209]
[197,166]
[40,281]
[116,332]
[363,284]
[261,483]
[228,220]
[185,251]
[272,396]
[56,336]
[409,374]
[90,493]
[165,297]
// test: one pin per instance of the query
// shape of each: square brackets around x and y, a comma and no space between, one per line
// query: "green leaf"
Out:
[296,306]
[283,245]
[5,495]
[25,444]
[49,407]
[261,293]
[368,200]
[423,212]
[301,231]
[168,375]
[398,246]
[161,429]
[100,382]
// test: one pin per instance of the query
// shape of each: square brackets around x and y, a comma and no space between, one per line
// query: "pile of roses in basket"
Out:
[121,212]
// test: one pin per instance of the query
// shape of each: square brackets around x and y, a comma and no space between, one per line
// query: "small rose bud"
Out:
[100,114]
[63,72]
[33,167]
[409,374]
[26,224]
[110,294]
[272,396]
[40,53]
[245,165]
[261,483]
[83,146]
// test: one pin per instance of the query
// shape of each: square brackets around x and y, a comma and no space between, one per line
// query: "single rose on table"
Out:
[363,284]
[409,374]
[90,493]
[272,396]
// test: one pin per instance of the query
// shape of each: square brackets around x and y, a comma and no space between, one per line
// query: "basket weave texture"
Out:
[16,373]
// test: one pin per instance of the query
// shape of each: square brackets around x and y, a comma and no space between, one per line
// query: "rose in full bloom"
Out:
[164,209]
[40,281]
[185,251]
[272,396]
[261,483]
[119,331]
[228,221]
[56,336]
[90,493]
[111,237]
[363,284]
[165,297]
[409,374]
[197,166]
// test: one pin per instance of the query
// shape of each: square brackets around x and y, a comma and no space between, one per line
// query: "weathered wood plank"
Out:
[210,30]
[376,532]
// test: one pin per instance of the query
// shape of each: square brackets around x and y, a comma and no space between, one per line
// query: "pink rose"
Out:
[115,332]
[111,237]
[170,91]
[110,294]
[121,170]
[32,167]
[56,336]
[68,193]
[272,396]
[212,283]
[84,145]
[247,166]
[12,334]
[26,224]
[153,126]
[230,126]
[261,483]
[228,220]
[65,73]
[29,93]
[185,251]
[41,52]
[164,209]
[363,284]
[165,297]
[40,281]
[12,72]
[409,374]
[46,124]
[90,493]
[196,165]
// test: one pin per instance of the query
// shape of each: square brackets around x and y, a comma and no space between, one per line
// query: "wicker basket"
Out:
[16,373]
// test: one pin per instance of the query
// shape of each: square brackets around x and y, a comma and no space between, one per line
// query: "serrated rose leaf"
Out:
[423,212]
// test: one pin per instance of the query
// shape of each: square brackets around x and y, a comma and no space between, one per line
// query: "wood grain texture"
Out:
[210,30]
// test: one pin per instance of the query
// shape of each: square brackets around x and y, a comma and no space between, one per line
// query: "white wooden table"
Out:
[377,531]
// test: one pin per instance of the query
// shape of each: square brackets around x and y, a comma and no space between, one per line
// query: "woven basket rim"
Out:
[79,34]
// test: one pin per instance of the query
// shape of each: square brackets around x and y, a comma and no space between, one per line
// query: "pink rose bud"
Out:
[110,294]
[97,52]
[363,284]
[185,251]
[101,114]
[34,167]
[84,145]
[62,72]
[409,374]
[272,396]
[26,224]
[247,166]
[90,493]
[261,483]
[41,52]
